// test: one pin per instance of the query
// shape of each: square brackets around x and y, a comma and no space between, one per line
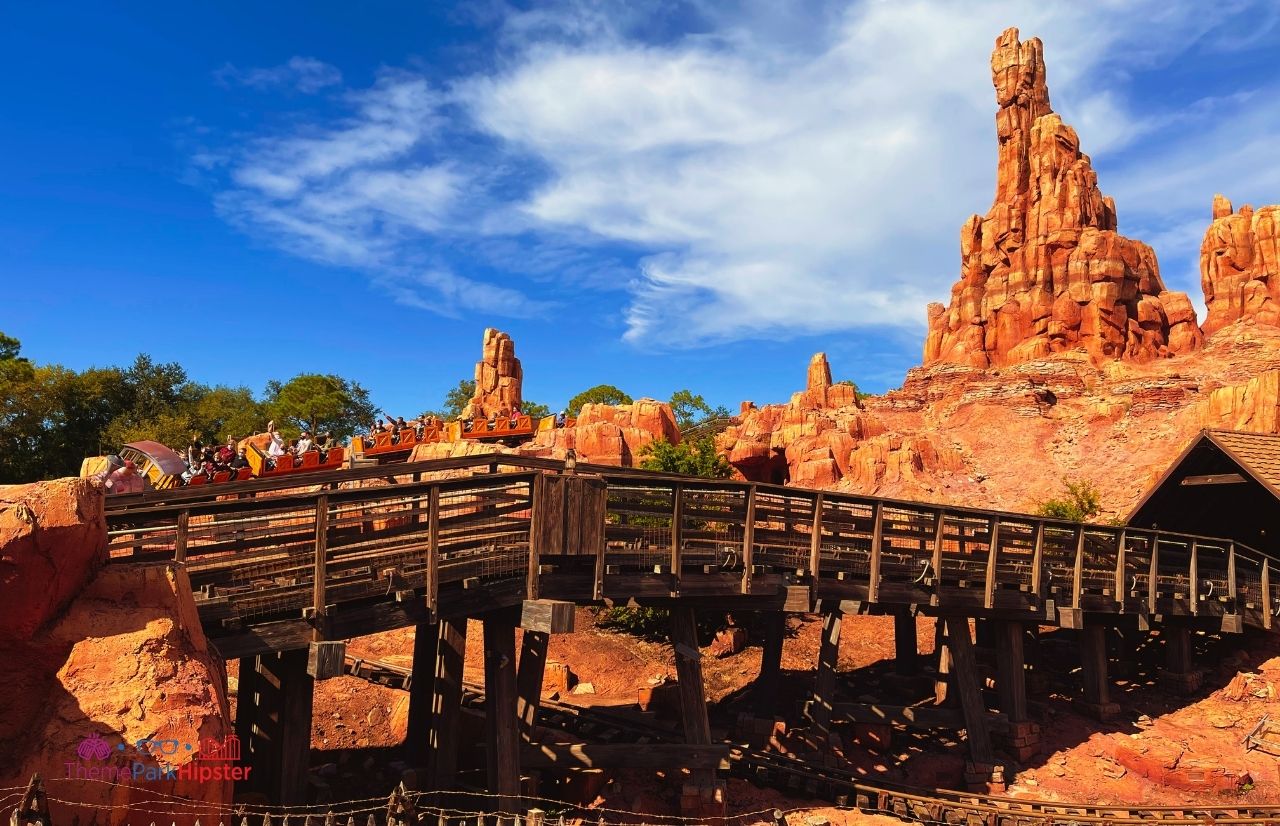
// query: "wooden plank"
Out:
[1121,550]
[180,537]
[1077,571]
[993,550]
[1093,662]
[1268,610]
[1213,479]
[446,703]
[815,539]
[824,681]
[673,756]
[548,616]
[433,550]
[877,536]
[693,699]
[320,571]
[1152,574]
[765,690]
[533,577]
[1194,578]
[1232,585]
[677,516]
[969,687]
[426,640]
[1037,562]
[939,528]
[501,731]
[749,540]
[1011,670]
[906,653]
[913,717]
[325,659]
[533,664]
[292,739]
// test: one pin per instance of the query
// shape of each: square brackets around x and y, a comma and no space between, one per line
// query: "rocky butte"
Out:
[1045,270]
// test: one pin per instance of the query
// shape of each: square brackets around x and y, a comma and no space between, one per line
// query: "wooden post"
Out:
[1037,562]
[906,653]
[446,702]
[765,690]
[253,744]
[1267,610]
[815,539]
[320,571]
[677,516]
[1153,575]
[824,681]
[501,738]
[939,525]
[1231,579]
[969,688]
[283,725]
[180,538]
[943,670]
[877,534]
[535,548]
[1011,670]
[1093,662]
[1193,592]
[693,700]
[1077,575]
[993,550]
[1178,647]
[1120,569]
[749,540]
[533,664]
[426,644]
[433,550]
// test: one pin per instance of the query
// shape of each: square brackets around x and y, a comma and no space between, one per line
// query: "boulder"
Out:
[1045,270]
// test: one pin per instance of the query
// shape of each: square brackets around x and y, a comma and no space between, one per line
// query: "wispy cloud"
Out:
[306,74]
[762,171]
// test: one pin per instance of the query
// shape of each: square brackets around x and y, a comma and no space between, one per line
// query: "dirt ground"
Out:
[358,727]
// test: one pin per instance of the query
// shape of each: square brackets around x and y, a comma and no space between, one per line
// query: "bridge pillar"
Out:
[1022,738]
[273,722]
[1093,671]
[824,681]
[426,644]
[533,665]
[1179,674]
[981,770]
[942,665]
[906,655]
[704,797]
[765,690]
[446,702]
[502,738]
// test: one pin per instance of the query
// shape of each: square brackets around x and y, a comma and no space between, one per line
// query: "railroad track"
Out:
[797,777]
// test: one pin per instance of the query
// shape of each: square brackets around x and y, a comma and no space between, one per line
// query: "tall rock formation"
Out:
[1045,271]
[498,377]
[1240,265]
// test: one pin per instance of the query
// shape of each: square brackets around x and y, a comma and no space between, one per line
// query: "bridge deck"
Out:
[272,568]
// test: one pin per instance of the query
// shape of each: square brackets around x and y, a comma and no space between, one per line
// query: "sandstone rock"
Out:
[609,434]
[1253,405]
[53,538]
[498,377]
[128,661]
[1240,265]
[1045,270]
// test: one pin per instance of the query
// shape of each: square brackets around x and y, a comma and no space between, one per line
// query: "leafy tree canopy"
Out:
[600,394]
[534,410]
[319,403]
[455,401]
[696,457]
[1081,503]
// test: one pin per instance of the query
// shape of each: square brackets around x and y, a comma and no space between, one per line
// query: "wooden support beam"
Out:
[180,537]
[446,703]
[672,756]
[693,698]
[426,642]
[749,540]
[1011,670]
[281,725]
[677,531]
[943,668]
[533,576]
[969,687]
[1077,573]
[502,741]
[1268,610]
[914,717]
[1194,578]
[549,616]
[253,746]
[320,567]
[877,536]
[765,691]
[906,658]
[824,681]
[1121,550]
[1037,562]
[433,550]
[1178,650]
[1213,479]
[533,664]
[815,538]
[993,551]
[1153,572]
[1093,664]
[939,526]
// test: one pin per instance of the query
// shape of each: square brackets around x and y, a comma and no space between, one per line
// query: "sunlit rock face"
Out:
[1240,265]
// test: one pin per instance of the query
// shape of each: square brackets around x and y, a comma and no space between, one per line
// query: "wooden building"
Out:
[1226,483]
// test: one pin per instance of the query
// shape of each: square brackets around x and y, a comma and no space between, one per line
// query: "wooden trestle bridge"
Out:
[282,576]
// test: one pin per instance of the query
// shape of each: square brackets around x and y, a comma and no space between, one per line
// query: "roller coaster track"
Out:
[797,777]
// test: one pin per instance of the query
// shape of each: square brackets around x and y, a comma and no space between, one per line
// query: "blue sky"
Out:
[658,196]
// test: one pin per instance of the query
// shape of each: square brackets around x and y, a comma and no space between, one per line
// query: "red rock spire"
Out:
[1045,270]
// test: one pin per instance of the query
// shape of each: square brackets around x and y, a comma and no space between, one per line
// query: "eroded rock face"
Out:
[1240,265]
[498,377]
[609,434]
[1045,270]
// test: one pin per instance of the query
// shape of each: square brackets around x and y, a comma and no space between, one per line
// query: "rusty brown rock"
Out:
[609,434]
[1240,265]
[498,378]
[1045,270]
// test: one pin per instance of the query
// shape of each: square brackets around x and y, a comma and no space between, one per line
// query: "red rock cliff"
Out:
[1045,271]
[498,377]
[1240,265]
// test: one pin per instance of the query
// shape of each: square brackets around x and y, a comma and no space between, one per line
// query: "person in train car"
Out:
[493,421]
[240,464]
[124,479]
[560,419]
[195,453]
[467,424]
[304,443]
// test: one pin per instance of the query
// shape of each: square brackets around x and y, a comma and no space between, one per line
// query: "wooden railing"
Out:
[466,525]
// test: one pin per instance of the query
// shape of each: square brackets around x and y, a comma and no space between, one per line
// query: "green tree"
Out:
[9,348]
[600,394]
[534,410]
[857,393]
[1081,503]
[689,409]
[319,403]
[696,457]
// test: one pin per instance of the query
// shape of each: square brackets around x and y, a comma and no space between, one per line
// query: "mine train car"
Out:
[396,446]
[161,468]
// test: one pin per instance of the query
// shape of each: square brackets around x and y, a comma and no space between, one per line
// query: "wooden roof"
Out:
[1257,454]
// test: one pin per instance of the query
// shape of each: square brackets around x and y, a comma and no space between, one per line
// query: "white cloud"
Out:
[778,173]
[306,74]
